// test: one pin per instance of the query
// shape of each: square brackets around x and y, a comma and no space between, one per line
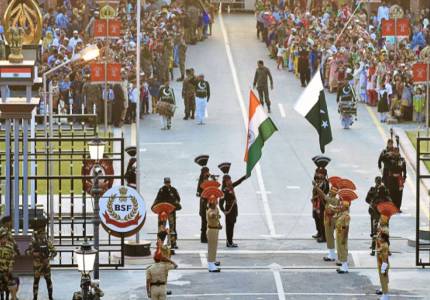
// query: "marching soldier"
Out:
[396,177]
[377,194]
[7,260]
[202,161]
[203,94]
[260,82]
[383,249]
[214,226]
[182,48]
[167,95]
[169,194]
[384,160]
[42,251]
[228,203]
[156,276]
[331,201]
[342,229]
[189,94]
[318,205]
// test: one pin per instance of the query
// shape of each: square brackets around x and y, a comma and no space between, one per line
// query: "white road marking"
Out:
[266,192]
[240,99]
[356,259]
[266,252]
[281,110]
[203,259]
[278,281]
[293,187]
[143,150]
[288,294]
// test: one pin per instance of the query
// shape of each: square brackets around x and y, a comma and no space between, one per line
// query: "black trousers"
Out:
[229,228]
[305,77]
[263,95]
[318,216]
[204,222]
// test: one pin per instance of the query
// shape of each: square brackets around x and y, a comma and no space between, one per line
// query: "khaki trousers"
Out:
[383,278]
[329,226]
[342,243]
[158,292]
[212,244]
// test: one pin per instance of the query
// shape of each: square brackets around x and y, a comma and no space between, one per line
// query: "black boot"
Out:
[50,290]
[268,109]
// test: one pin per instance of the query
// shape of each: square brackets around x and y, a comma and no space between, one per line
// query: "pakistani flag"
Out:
[313,107]
[260,129]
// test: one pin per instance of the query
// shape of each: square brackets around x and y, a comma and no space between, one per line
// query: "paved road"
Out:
[277,259]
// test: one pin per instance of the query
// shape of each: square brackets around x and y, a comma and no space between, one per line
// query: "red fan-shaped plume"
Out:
[387,208]
[346,184]
[334,181]
[165,207]
[210,183]
[347,195]
[212,191]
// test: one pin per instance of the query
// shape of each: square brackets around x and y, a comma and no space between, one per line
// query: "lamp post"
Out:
[96,149]
[85,256]
[89,53]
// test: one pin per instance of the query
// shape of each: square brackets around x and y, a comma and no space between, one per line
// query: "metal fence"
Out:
[56,177]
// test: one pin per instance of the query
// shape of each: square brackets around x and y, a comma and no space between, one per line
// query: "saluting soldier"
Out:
[214,226]
[228,203]
[42,251]
[331,201]
[342,229]
[167,95]
[189,94]
[377,194]
[203,94]
[7,261]
[156,276]
[168,193]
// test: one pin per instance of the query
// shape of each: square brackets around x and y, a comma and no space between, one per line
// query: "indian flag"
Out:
[260,129]
[313,107]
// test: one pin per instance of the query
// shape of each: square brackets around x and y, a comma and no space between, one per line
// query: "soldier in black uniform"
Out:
[318,204]
[228,204]
[384,159]
[396,177]
[130,173]
[202,161]
[203,94]
[167,95]
[168,193]
[377,194]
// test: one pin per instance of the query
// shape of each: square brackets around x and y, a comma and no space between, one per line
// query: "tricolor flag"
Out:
[260,129]
[313,107]
[16,73]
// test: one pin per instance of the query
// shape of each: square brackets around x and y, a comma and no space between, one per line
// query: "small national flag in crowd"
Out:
[313,107]
[260,129]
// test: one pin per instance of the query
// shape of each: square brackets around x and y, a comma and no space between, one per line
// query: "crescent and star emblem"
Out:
[200,85]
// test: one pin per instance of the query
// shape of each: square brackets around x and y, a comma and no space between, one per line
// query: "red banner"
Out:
[104,28]
[98,72]
[403,27]
[419,71]
[388,28]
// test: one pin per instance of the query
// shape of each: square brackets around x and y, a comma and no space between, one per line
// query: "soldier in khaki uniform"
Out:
[331,201]
[7,260]
[213,216]
[342,229]
[382,254]
[42,251]
[156,276]
[189,94]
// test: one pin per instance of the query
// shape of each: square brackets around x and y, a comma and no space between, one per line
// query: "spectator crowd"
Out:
[346,41]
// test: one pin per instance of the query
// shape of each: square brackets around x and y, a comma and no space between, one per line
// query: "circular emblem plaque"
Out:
[122,211]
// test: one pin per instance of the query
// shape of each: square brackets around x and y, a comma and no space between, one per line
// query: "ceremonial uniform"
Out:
[42,251]
[7,261]
[203,95]
[383,252]
[213,216]
[384,163]
[167,95]
[202,211]
[342,229]
[228,205]
[396,179]
[318,207]
[182,49]
[156,276]
[169,194]
[189,95]
[330,218]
